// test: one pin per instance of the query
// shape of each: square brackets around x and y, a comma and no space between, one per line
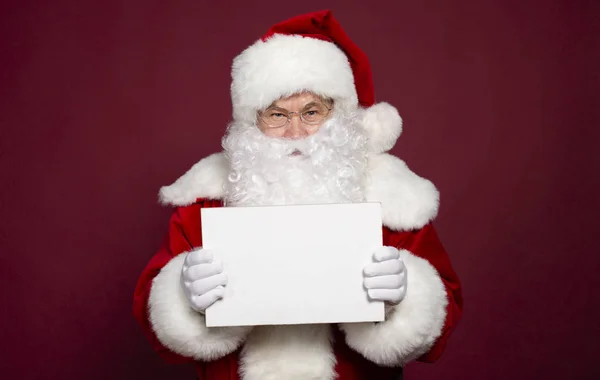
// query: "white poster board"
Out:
[293,264]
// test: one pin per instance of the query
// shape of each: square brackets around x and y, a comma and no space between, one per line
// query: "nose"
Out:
[295,129]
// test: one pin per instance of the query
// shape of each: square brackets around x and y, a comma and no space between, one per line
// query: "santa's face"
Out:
[312,164]
[295,117]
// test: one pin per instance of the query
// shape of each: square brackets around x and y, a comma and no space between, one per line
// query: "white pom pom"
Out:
[383,125]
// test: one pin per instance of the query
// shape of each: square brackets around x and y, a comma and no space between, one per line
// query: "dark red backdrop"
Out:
[100,104]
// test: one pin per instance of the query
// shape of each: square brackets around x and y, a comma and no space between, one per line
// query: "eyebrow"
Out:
[307,105]
[313,103]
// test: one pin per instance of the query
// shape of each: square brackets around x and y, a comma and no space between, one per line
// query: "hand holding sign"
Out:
[203,279]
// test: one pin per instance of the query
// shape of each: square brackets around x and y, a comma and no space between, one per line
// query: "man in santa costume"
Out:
[305,130]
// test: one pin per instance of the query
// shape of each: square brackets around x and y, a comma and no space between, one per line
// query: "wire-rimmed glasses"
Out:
[312,114]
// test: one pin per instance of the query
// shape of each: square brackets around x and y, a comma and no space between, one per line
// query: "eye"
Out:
[314,114]
[275,115]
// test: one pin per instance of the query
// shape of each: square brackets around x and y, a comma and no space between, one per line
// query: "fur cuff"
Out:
[412,326]
[180,328]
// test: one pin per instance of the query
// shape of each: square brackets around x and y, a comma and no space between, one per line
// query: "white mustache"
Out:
[298,147]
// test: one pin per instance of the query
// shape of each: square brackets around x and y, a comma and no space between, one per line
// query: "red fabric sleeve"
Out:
[426,244]
[184,233]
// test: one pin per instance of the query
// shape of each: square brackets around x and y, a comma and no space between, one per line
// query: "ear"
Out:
[383,125]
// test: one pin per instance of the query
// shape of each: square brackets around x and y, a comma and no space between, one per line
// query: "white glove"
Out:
[202,279]
[385,279]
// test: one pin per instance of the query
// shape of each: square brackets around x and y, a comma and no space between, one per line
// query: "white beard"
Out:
[330,169]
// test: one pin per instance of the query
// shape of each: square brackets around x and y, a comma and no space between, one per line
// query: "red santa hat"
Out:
[311,52]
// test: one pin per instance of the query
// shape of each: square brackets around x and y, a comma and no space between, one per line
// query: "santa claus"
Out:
[305,130]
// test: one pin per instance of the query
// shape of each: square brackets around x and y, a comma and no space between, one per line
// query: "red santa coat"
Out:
[417,328]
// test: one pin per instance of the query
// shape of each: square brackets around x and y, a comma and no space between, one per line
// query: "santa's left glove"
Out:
[385,278]
[202,278]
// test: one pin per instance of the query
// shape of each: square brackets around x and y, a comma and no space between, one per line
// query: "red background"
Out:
[101,103]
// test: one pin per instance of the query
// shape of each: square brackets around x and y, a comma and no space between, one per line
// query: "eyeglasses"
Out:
[312,114]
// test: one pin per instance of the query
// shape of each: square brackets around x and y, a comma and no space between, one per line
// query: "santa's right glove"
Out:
[203,279]
[385,279]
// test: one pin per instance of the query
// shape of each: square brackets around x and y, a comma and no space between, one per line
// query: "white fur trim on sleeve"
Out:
[180,328]
[412,326]
[383,125]
[407,200]
[206,178]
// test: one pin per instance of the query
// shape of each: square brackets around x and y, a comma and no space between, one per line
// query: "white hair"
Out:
[330,169]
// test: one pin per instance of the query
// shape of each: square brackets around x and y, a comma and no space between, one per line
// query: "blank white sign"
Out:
[293,264]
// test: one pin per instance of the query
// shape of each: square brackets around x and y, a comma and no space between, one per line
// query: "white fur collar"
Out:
[408,201]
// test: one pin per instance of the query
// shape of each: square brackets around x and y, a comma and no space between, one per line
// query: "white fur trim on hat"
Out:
[180,328]
[383,125]
[287,64]
[412,326]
